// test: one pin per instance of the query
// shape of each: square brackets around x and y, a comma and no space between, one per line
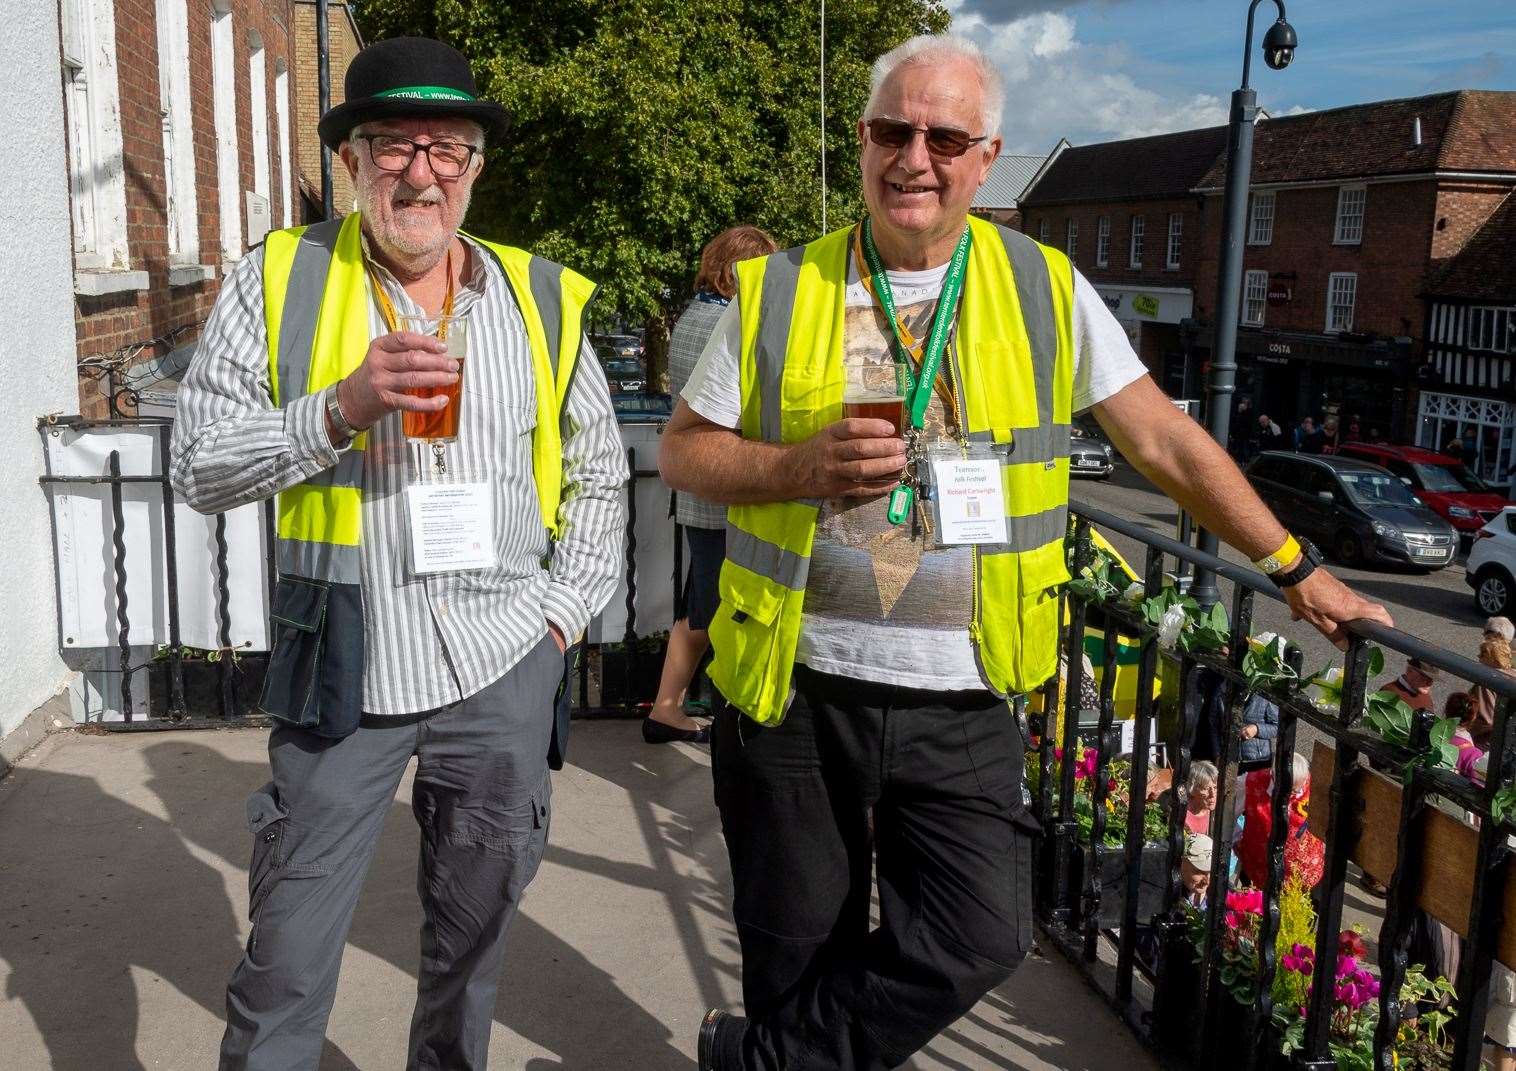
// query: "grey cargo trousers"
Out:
[481,798]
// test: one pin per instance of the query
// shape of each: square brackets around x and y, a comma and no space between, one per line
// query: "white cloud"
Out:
[1057,86]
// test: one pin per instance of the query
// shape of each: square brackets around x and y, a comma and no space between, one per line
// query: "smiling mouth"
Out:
[402,203]
[901,188]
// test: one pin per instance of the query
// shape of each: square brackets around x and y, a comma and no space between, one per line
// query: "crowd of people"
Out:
[1252,433]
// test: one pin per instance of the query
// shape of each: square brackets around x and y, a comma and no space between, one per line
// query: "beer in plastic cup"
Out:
[438,425]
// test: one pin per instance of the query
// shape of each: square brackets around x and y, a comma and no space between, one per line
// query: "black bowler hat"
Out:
[409,77]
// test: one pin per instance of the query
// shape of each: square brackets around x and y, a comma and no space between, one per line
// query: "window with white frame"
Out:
[1134,257]
[224,103]
[1176,239]
[282,122]
[178,132]
[1492,328]
[1042,230]
[1350,201]
[1071,237]
[1103,242]
[257,82]
[1342,289]
[1261,218]
[1255,296]
[92,104]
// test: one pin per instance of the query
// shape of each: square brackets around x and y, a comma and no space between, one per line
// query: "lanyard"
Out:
[929,354]
[387,307]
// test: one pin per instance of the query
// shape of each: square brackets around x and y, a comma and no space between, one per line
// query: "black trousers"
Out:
[941,776]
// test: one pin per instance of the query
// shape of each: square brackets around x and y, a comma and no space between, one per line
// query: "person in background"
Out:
[1240,443]
[1494,652]
[1200,798]
[1195,867]
[1453,448]
[1415,684]
[1270,437]
[1329,436]
[1499,628]
[704,523]
[1309,439]
[1304,853]
[1260,725]
[1354,433]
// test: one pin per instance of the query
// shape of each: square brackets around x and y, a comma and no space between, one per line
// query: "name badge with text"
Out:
[970,501]
[452,526]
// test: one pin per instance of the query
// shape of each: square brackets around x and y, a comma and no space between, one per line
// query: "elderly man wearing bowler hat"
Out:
[426,594]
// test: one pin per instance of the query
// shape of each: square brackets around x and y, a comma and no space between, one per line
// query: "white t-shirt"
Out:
[881,603]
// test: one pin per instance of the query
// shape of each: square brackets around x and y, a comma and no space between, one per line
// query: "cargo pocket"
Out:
[298,619]
[1043,572]
[749,669]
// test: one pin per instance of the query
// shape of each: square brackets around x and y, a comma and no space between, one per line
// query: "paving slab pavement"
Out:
[123,907]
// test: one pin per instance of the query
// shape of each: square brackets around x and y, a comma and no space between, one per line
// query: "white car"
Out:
[1491,568]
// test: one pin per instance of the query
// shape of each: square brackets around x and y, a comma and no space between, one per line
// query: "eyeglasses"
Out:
[448,159]
[943,142]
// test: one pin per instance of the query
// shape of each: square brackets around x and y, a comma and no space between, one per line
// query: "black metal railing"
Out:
[1149,947]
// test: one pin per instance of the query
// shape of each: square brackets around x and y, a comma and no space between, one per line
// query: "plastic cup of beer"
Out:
[437,425]
[874,393]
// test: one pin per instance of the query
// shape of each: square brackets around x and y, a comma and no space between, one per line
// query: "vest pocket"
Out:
[746,634]
[315,671]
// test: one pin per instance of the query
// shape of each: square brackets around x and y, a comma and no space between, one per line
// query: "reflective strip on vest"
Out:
[780,280]
[1030,532]
[302,306]
[767,559]
[325,561]
[1049,442]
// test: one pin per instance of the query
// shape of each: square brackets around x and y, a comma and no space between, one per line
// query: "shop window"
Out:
[1350,201]
[1342,290]
[1492,329]
[1261,218]
[1255,294]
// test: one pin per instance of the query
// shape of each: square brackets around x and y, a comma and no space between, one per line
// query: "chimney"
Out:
[1416,131]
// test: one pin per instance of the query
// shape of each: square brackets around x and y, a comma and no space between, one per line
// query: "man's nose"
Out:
[420,174]
[913,155]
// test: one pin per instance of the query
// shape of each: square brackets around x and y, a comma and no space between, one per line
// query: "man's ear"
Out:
[349,158]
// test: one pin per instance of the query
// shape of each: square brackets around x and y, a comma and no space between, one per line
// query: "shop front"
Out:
[1151,317]
[1485,428]
[1291,375]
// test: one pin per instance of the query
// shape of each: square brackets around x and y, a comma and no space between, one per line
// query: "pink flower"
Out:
[1300,959]
[1349,943]
[1247,901]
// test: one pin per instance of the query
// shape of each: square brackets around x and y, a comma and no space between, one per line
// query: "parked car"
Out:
[1356,511]
[1456,494]
[642,408]
[624,375]
[617,346]
[1089,454]
[1491,568]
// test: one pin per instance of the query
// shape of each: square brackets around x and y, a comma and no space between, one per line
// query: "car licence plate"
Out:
[1433,554]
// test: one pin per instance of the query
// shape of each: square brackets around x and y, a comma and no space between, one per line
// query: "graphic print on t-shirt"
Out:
[863,568]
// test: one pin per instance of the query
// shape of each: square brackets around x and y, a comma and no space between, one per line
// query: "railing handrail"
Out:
[1401,642]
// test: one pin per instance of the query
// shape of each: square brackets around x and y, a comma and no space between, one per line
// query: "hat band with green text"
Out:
[427,93]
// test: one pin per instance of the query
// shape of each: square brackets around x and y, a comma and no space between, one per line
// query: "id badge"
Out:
[967,497]
[452,526]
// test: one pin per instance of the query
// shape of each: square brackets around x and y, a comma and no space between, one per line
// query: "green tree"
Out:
[641,128]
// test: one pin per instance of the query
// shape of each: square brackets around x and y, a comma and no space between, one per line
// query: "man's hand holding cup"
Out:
[397,364]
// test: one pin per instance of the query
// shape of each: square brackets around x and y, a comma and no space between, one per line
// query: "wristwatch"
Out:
[344,427]
[1310,557]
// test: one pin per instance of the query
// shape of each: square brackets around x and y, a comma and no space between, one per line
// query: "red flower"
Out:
[1350,944]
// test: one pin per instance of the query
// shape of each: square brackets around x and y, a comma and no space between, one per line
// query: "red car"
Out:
[1456,494]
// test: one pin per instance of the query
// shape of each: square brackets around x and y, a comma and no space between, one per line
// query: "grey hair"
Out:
[1202,775]
[927,47]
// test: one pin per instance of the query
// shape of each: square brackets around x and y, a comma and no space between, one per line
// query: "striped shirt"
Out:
[431,639]
[686,344]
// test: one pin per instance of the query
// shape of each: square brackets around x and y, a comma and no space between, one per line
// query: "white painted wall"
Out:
[36,365]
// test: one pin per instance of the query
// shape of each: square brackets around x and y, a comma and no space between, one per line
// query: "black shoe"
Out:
[720,1041]
[656,732]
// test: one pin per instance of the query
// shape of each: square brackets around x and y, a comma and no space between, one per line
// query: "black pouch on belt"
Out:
[315,669]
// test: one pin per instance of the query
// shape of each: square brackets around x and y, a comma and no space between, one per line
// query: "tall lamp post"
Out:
[1278,50]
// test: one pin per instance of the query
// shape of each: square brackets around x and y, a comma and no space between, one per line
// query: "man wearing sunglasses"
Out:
[885,595]
[424,603]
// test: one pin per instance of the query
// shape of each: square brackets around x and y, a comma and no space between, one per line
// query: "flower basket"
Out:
[1112,863]
[202,686]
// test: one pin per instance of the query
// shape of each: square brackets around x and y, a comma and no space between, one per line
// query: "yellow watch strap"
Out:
[1287,553]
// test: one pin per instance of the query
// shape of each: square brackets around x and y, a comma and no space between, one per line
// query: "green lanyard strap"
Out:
[919,388]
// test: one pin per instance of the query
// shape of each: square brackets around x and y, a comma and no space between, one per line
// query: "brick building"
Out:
[343,42]
[1126,214]
[1353,213]
[1468,385]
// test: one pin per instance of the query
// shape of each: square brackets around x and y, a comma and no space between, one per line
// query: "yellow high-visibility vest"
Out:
[1012,365]
[316,307]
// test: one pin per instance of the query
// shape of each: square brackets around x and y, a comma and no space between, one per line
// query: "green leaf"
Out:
[1376,661]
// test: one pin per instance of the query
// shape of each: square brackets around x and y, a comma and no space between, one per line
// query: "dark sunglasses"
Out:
[943,142]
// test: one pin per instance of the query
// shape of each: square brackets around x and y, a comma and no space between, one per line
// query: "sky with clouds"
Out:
[1098,70]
